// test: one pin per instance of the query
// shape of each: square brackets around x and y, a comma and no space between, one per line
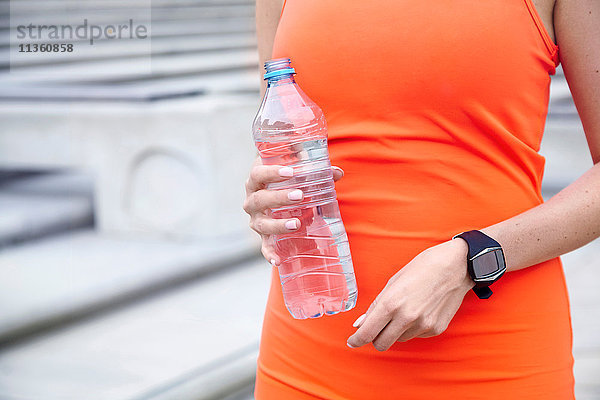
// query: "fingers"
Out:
[421,326]
[411,333]
[400,330]
[389,335]
[441,319]
[359,321]
[267,227]
[373,323]
[401,325]
[338,173]
[268,251]
[261,200]
[271,226]
[261,175]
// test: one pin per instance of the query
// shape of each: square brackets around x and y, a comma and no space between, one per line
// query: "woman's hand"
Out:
[259,202]
[419,300]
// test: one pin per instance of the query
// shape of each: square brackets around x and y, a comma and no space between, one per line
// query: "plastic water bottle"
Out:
[316,272]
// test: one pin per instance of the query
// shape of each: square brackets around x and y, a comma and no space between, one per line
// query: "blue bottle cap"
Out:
[279,72]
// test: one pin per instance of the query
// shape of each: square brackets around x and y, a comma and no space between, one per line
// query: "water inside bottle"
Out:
[316,268]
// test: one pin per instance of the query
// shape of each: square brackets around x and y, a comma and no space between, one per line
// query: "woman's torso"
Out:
[436,115]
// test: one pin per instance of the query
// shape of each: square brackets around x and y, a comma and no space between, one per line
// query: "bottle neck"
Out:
[280,80]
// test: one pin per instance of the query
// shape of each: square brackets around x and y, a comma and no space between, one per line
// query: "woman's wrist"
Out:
[461,250]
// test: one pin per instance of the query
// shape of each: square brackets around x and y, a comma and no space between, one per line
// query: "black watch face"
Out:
[488,263]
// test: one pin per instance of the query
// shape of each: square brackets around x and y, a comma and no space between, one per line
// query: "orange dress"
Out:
[435,112]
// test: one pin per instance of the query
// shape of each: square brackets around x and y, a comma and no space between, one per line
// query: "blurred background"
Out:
[127,268]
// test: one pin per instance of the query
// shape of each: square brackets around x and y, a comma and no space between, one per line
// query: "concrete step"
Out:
[66,277]
[169,28]
[57,182]
[581,269]
[561,104]
[563,145]
[41,205]
[105,50]
[37,6]
[8,174]
[242,81]
[246,393]
[197,342]
[57,16]
[566,151]
[136,69]
[171,168]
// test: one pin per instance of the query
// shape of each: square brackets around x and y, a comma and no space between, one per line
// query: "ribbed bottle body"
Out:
[316,271]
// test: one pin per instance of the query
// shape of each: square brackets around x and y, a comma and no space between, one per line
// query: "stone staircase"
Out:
[97,304]
[61,202]
[173,109]
[127,270]
[86,315]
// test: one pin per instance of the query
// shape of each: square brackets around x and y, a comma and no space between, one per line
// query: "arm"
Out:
[422,298]
[570,219]
[267,19]
[564,223]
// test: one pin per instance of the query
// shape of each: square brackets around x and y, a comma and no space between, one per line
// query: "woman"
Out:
[435,113]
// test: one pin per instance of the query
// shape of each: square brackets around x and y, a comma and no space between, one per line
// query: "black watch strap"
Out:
[483,292]
[477,241]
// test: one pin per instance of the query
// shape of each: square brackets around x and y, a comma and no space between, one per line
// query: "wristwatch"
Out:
[485,261]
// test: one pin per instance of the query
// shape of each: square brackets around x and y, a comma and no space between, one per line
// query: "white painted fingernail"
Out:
[359,320]
[291,224]
[286,171]
[273,263]
[349,345]
[339,169]
[295,194]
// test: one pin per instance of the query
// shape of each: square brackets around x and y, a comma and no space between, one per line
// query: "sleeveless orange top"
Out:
[435,111]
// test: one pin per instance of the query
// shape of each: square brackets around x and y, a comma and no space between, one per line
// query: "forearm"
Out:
[564,223]
[267,19]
